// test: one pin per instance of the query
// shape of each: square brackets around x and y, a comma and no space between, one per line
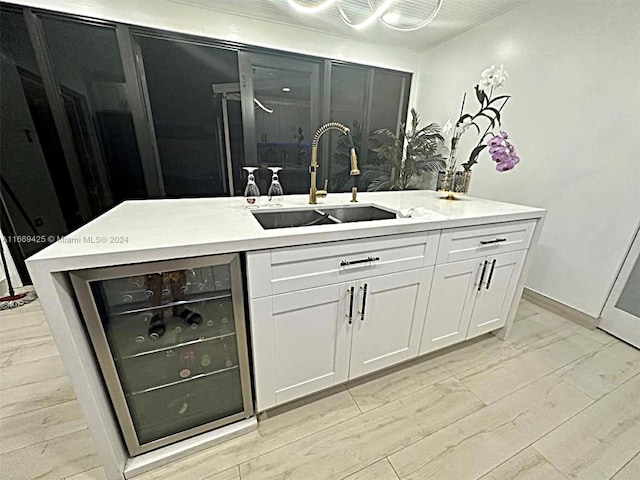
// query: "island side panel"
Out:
[504,332]
[58,302]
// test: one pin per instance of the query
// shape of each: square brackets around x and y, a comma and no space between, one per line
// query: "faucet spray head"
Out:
[353,156]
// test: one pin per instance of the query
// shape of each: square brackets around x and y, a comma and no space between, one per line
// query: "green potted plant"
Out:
[403,158]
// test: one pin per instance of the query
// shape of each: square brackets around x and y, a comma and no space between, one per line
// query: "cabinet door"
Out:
[389,320]
[451,299]
[494,299]
[300,342]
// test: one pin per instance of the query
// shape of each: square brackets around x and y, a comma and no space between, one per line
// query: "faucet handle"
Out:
[323,192]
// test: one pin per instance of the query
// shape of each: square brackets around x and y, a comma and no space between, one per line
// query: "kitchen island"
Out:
[318,295]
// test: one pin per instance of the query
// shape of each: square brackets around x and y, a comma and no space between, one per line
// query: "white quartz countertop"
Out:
[150,230]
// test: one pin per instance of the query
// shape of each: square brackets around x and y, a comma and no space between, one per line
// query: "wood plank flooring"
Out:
[555,402]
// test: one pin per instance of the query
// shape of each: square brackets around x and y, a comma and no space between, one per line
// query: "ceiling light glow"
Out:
[286,89]
[379,13]
[391,17]
[372,18]
[413,28]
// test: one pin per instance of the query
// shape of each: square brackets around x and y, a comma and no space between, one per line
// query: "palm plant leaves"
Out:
[393,161]
[408,154]
[341,180]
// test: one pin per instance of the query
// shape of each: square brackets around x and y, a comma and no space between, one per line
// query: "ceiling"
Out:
[454,18]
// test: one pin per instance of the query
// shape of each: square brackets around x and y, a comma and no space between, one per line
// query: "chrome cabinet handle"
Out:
[364,302]
[344,263]
[493,266]
[484,270]
[495,240]
[351,295]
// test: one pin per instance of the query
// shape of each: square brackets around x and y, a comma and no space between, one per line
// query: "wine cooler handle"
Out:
[484,270]
[351,295]
[364,301]
[493,266]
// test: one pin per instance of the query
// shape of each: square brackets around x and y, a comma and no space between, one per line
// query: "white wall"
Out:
[575,119]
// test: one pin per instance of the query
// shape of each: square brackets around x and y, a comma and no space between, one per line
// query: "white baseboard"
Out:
[560,308]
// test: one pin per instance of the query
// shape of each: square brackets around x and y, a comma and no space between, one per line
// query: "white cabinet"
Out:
[387,324]
[289,269]
[301,342]
[450,304]
[470,298]
[465,243]
[494,298]
[326,313]
[308,340]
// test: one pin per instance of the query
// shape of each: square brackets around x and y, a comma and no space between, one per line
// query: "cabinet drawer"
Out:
[289,269]
[464,243]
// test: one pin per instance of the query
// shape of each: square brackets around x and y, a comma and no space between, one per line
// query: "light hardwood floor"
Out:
[555,402]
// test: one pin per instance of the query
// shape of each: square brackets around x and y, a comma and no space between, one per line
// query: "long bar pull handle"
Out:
[493,267]
[364,301]
[484,270]
[495,240]
[351,295]
[344,263]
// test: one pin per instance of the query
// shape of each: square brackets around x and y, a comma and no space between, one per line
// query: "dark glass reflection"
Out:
[90,76]
[284,110]
[388,111]
[36,185]
[388,107]
[348,99]
[188,86]
[366,100]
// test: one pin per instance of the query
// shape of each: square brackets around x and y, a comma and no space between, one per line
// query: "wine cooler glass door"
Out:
[170,339]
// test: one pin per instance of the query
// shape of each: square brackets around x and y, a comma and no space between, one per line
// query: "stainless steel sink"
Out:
[269,219]
[359,213]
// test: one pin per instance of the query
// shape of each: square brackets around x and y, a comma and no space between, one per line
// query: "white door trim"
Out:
[613,320]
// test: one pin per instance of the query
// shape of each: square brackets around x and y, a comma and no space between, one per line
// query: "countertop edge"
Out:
[292,237]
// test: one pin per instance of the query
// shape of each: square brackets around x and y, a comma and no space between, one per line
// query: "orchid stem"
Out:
[490,124]
[464,97]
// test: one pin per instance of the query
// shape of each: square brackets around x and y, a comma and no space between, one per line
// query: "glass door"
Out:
[195,135]
[170,339]
[281,105]
[621,314]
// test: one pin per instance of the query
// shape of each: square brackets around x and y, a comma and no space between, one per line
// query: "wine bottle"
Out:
[157,327]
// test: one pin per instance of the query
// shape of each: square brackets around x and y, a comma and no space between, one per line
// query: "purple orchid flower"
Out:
[502,152]
[494,141]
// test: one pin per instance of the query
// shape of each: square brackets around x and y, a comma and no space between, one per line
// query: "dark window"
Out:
[94,113]
[286,102]
[388,106]
[35,181]
[349,93]
[105,165]
[194,95]
[366,100]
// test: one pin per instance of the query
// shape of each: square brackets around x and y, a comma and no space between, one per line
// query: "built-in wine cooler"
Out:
[170,339]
